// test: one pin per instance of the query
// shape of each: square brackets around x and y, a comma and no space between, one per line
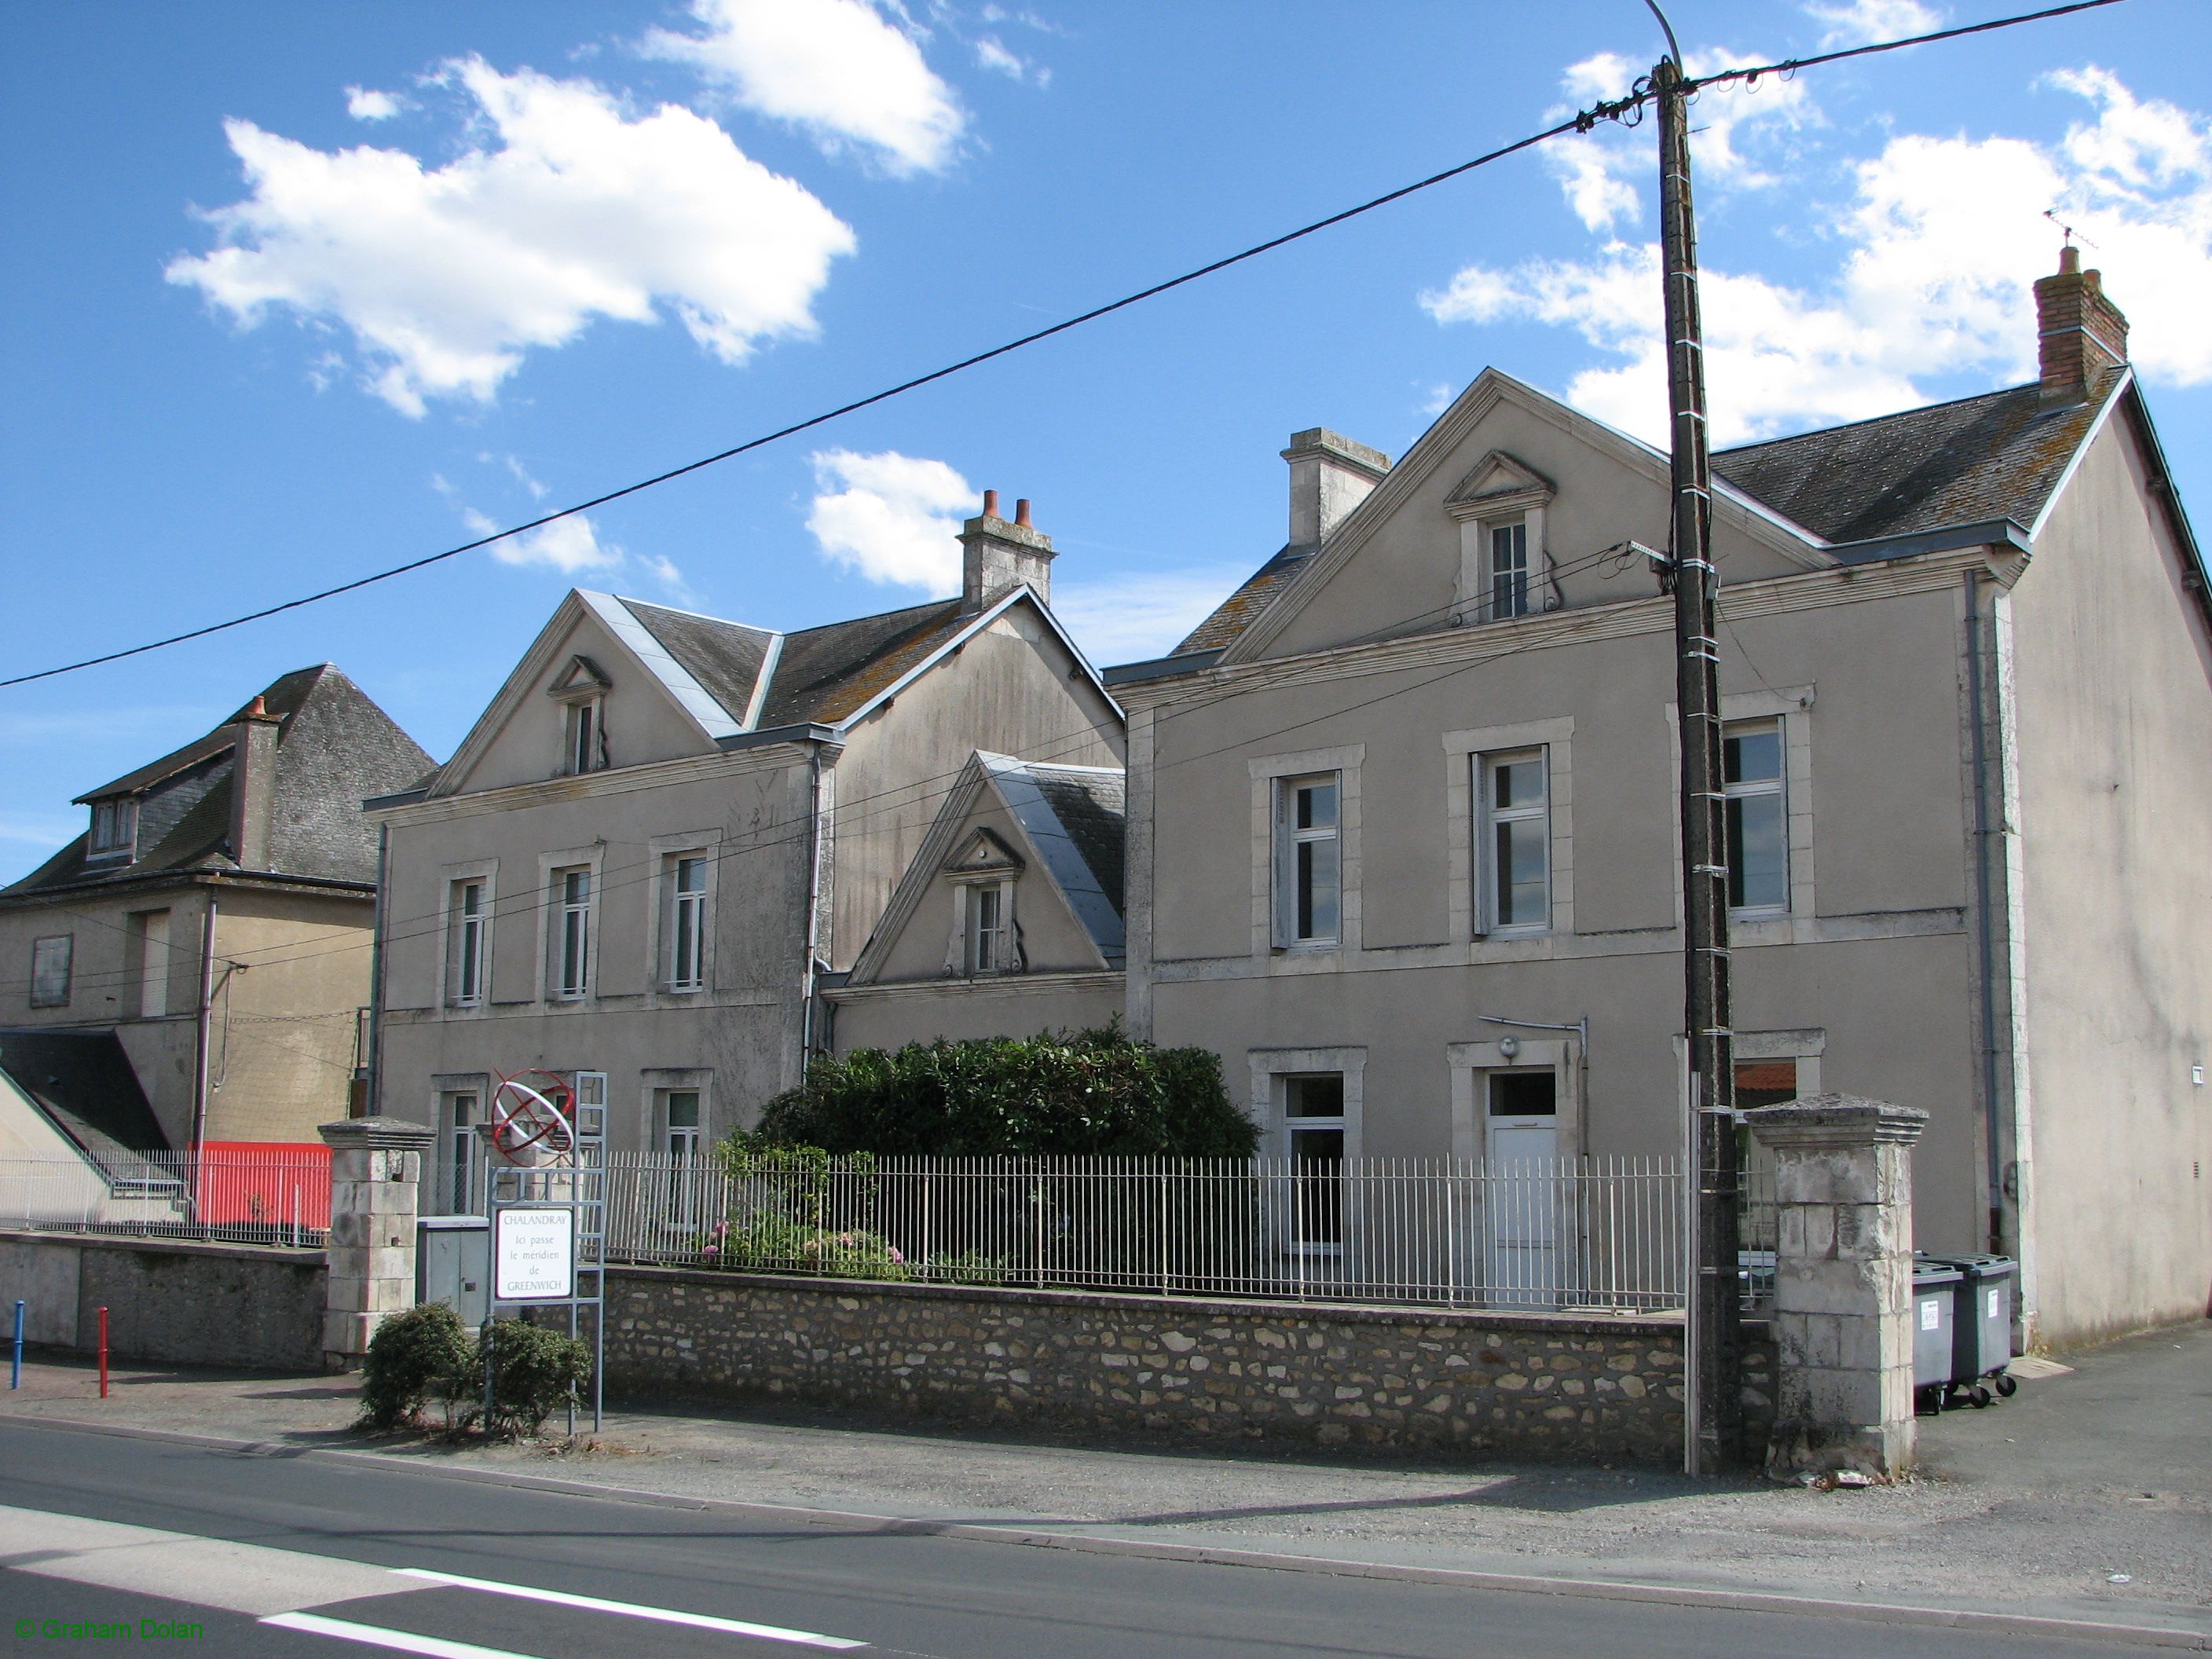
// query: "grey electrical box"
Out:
[453,1264]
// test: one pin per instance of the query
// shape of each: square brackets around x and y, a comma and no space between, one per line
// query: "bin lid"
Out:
[1974,1266]
[1926,1273]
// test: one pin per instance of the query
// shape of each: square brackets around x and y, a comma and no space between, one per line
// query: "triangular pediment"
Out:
[1499,483]
[984,854]
[581,675]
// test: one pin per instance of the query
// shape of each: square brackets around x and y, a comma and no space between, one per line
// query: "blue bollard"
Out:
[15,1370]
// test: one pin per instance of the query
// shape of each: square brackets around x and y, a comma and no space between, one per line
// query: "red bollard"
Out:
[103,1353]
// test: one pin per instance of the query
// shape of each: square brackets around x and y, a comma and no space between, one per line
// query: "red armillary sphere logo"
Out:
[533,1118]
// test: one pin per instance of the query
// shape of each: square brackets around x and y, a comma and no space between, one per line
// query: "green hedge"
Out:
[1093,1092]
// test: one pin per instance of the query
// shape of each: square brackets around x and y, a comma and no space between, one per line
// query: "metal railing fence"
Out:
[1585,1233]
[259,1197]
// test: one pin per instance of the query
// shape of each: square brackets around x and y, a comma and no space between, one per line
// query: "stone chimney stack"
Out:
[1330,475]
[2079,332]
[253,784]
[995,555]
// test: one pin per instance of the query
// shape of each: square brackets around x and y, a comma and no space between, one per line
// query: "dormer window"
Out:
[985,938]
[581,687]
[1504,571]
[114,827]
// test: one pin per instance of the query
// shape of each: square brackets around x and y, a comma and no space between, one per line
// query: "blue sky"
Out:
[294,293]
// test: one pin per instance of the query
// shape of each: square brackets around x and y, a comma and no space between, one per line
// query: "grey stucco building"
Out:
[668,830]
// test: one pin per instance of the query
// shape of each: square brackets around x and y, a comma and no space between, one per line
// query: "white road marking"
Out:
[208,1572]
[634,1610]
[402,1641]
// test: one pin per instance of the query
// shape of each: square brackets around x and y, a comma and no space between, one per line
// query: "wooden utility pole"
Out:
[1715,1405]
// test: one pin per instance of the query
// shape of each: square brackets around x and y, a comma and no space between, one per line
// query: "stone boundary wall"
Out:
[170,1301]
[1289,1373]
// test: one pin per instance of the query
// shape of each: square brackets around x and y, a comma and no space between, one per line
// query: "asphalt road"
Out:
[282,1555]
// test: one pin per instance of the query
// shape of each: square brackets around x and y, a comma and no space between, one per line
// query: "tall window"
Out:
[687,923]
[572,933]
[585,747]
[50,970]
[150,933]
[991,930]
[467,972]
[1509,569]
[1308,874]
[1313,1126]
[1757,825]
[1516,854]
[679,1138]
[462,1152]
[114,827]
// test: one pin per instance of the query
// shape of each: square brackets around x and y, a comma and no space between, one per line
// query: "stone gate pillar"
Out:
[1843,1284]
[376,1172]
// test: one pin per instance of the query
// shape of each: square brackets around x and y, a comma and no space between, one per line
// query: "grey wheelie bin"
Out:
[1934,1319]
[1983,1324]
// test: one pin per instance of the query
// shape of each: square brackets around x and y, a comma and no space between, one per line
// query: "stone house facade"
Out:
[668,830]
[194,969]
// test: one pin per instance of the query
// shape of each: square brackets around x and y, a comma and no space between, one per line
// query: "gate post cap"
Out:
[376,1134]
[1835,1119]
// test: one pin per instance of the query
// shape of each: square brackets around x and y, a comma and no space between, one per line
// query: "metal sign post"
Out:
[548,1198]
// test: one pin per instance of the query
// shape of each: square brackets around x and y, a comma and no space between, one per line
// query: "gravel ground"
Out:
[2033,1505]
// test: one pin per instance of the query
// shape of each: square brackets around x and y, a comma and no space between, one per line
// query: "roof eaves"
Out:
[1161,668]
[807,732]
[1986,532]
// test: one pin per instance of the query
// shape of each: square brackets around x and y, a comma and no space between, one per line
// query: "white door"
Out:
[1520,1190]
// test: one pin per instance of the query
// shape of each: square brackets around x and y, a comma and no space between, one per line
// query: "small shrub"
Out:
[767,1242]
[416,1357]
[969,1268]
[535,1373]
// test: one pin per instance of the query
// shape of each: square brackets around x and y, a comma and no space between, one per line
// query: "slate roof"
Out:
[83,1084]
[334,747]
[724,657]
[1075,817]
[825,673]
[1994,456]
[1236,613]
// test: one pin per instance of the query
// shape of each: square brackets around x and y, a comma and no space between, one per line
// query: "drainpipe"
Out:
[375,1052]
[1984,930]
[200,1042]
[814,829]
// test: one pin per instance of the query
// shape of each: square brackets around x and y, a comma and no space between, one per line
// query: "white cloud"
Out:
[515,469]
[1133,617]
[892,518]
[1861,23]
[568,545]
[1946,238]
[365,105]
[839,70]
[564,209]
[992,53]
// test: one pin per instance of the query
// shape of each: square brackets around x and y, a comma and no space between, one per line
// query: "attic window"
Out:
[114,827]
[582,687]
[1504,571]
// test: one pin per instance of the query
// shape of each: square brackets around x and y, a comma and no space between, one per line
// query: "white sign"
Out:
[1993,1304]
[534,1254]
[1931,1313]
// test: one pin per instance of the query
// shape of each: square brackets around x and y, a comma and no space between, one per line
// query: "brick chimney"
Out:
[1330,475]
[995,555]
[2079,332]
[253,784]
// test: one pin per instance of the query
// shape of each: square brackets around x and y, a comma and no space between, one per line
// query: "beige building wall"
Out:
[892,1015]
[2112,671]
[291,981]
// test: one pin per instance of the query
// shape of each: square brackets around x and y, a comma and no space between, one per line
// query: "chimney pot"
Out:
[990,503]
[260,706]
[1022,511]
[996,555]
[2069,260]
[2080,334]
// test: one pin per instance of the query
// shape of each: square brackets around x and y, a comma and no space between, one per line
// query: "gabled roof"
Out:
[1234,614]
[83,1084]
[1071,821]
[828,674]
[334,746]
[1998,455]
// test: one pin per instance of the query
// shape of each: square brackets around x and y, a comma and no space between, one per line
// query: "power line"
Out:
[1791,65]
[1582,122]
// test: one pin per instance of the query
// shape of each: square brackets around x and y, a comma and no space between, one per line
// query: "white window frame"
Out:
[1270,1070]
[688,911]
[1485,854]
[468,940]
[1289,839]
[120,815]
[1471,1065]
[553,911]
[1518,530]
[583,735]
[1796,706]
[1268,773]
[1777,786]
[461,1149]
[43,955]
[988,949]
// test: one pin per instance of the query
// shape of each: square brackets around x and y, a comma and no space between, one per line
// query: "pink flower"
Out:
[896,1256]
[709,1250]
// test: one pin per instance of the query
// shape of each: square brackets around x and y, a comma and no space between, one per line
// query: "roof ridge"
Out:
[626,602]
[1875,420]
